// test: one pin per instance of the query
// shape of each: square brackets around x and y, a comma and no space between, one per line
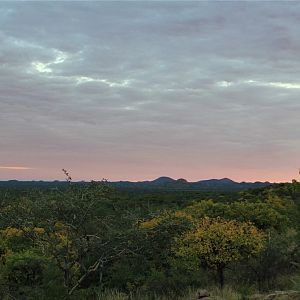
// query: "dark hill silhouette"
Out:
[167,183]
[162,180]
[161,183]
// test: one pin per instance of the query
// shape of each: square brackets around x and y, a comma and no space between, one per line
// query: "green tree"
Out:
[215,243]
[271,214]
[29,275]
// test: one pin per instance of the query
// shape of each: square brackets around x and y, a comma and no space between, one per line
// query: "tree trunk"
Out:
[221,276]
[91,269]
[66,272]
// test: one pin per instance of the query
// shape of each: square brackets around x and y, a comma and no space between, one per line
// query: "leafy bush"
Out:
[31,276]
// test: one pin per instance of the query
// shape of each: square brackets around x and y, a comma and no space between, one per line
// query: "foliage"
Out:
[80,240]
[264,215]
[31,275]
[217,243]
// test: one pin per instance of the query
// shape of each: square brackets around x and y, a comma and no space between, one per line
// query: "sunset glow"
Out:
[14,168]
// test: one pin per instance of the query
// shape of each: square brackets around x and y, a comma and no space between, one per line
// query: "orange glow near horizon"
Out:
[114,173]
[15,168]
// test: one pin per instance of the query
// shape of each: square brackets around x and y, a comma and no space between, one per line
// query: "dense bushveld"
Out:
[88,241]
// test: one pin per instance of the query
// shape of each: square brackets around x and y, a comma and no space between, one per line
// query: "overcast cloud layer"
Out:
[136,90]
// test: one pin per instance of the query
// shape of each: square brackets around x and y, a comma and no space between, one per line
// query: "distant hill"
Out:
[167,183]
[161,183]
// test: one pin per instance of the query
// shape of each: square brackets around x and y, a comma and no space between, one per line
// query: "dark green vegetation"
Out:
[79,241]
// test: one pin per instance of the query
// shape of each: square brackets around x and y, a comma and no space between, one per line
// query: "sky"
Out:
[137,90]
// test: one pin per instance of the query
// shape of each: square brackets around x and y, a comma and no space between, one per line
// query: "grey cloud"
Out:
[149,80]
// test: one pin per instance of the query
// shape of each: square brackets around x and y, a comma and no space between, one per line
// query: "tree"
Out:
[77,226]
[82,233]
[271,214]
[216,242]
[29,275]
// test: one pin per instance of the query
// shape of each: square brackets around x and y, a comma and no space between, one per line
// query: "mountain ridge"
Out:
[160,183]
[167,183]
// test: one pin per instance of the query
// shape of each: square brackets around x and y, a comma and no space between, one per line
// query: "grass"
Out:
[227,293]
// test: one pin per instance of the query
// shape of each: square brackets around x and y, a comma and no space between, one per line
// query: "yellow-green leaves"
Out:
[264,215]
[218,242]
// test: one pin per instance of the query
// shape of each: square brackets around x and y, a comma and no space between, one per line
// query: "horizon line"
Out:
[136,181]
